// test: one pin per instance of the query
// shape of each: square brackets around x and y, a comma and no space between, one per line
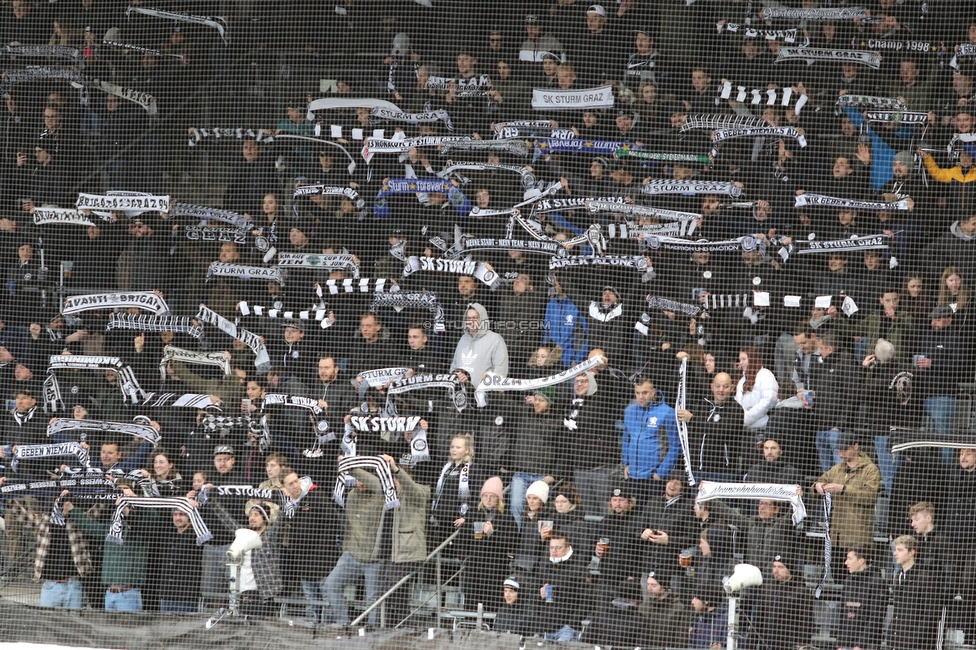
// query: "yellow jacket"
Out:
[948,175]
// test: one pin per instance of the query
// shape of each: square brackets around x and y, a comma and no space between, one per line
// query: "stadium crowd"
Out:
[538,275]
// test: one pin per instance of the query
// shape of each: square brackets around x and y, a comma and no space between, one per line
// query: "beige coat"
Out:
[852,513]
[409,520]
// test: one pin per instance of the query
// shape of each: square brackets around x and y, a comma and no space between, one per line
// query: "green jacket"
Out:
[364,512]
[123,564]
[899,335]
[410,521]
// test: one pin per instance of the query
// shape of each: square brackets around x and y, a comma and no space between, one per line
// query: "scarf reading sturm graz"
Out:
[546,206]
[709,490]
[559,99]
[65,216]
[316,261]
[689,188]
[373,463]
[828,13]
[544,146]
[261,360]
[145,300]
[400,300]
[372,146]
[204,213]
[147,323]
[477,270]
[183,504]
[811,54]
[244,272]
[241,133]
[679,404]
[495,383]
[30,452]
[822,200]
[173,353]
[867,242]
[395,186]
[214,22]
[455,389]
[142,431]
[440,115]
[785,35]
[760,132]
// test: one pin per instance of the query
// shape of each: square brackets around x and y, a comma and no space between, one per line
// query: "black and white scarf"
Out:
[174,353]
[512,146]
[897,117]
[216,235]
[664,186]
[145,300]
[528,178]
[662,156]
[870,101]
[666,304]
[147,101]
[821,200]
[187,400]
[557,99]
[760,132]
[545,206]
[828,543]
[713,121]
[46,52]
[241,133]
[709,490]
[464,489]
[401,300]
[319,261]
[331,190]
[371,463]
[148,323]
[635,262]
[478,270]
[244,272]
[360,285]
[811,54]
[440,115]
[31,452]
[391,427]
[142,431]
[60,216]
[143,50]
[819,14]
[261,359]
[214,22]
[40,73]
[455,388]
[383,376]
[132,392]
[544,247]
[373,146]
[785,35]
[746,243]
[476,85]
[318,315]
[315,413]
[117,527]
[767,96]
[132,203]
[205,213]
[530,133]
[867,242]
[679,404]
[493,382]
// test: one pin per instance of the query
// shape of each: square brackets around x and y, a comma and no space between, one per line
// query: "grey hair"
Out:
[884,351]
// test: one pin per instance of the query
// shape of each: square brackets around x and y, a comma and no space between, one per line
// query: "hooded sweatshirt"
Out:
[485,350]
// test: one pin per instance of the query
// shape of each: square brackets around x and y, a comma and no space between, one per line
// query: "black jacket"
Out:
[785,616]
[865,602]
[917,608]
[714,434]
[567,579]
[831,379]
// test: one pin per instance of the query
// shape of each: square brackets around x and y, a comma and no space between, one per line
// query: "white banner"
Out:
[544,99]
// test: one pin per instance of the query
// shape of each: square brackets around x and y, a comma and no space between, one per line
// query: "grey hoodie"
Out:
[958,233]
[482,352]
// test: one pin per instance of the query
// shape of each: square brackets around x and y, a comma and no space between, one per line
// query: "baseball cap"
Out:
[941,311]
[597,9]
[846,440]
[223,449]
[532,19]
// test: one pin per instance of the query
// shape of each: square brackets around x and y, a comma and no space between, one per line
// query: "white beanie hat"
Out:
[539,489]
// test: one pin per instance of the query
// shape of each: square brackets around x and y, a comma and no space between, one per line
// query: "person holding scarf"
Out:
[452,496]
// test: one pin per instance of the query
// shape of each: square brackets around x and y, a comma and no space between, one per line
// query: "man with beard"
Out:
[617,542]
[670,527]
[784,619]
[594,447]
[609,327]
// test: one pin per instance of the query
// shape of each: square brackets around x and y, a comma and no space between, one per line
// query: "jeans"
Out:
[127,601]
[942,409]
[346,570]
[520,484]
[565,633]
[314,590]
[827,448]
[66,595]
[886,462]
[179,606]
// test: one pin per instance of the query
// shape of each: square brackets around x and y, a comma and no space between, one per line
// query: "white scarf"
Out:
[709,490]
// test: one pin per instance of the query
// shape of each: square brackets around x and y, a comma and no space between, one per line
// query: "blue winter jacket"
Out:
[641,444]
[566,326]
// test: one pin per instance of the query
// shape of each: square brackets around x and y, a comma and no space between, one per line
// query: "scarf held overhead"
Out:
[544,99]
[145,300]
[709,490]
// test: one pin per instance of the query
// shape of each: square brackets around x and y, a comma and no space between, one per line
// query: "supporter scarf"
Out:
[372,146]
[46,52]
[383,376]
[362,285]
[241,133]
[204,213]
[772,96]
[664,186]
[395,186]
[870,101]
[906,117]
[331,103]
[40,73]
[174,353]
[401,300]
[248,491]
[679,404]
[478,270]
[547,99]
[187,400]
[142,431]
[828,543]
[811,54]
[261,360]
[746,243]
[132,392]
[297,401]
[665,304]
[331,190]
[785,35]
[147,323]
[464,490]
[467,244]
[30,452]
[45,216]
[372,463]
[821,200]
[662,157]
[760,132]
[318,315]
[719,121]
[966,49]
[635,210]
[819,14]
[867,242]
[528,133]
[545,146]
[455,389]
[145,300]
[708,490]
[605,313]
[517,124]
[57,485]
[392,426]
[221,235]
[728,300]
[214,22]
[636,262]
[147,101]
[183,504]
[528,178]
[592,236]
[899,46]
[143,50]
[494,382]
[464,87]
[906,439]
[546,206]
[317,261]
[439,115]
[244,272]
[283,138]
[133,204]
[513,147]
[633,231]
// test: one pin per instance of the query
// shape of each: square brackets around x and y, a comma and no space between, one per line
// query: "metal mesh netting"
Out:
[634,324]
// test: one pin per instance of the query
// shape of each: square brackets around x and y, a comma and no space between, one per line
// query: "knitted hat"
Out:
[539,489]
[547,393]
[905,157]
[492,486]
[511,583]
